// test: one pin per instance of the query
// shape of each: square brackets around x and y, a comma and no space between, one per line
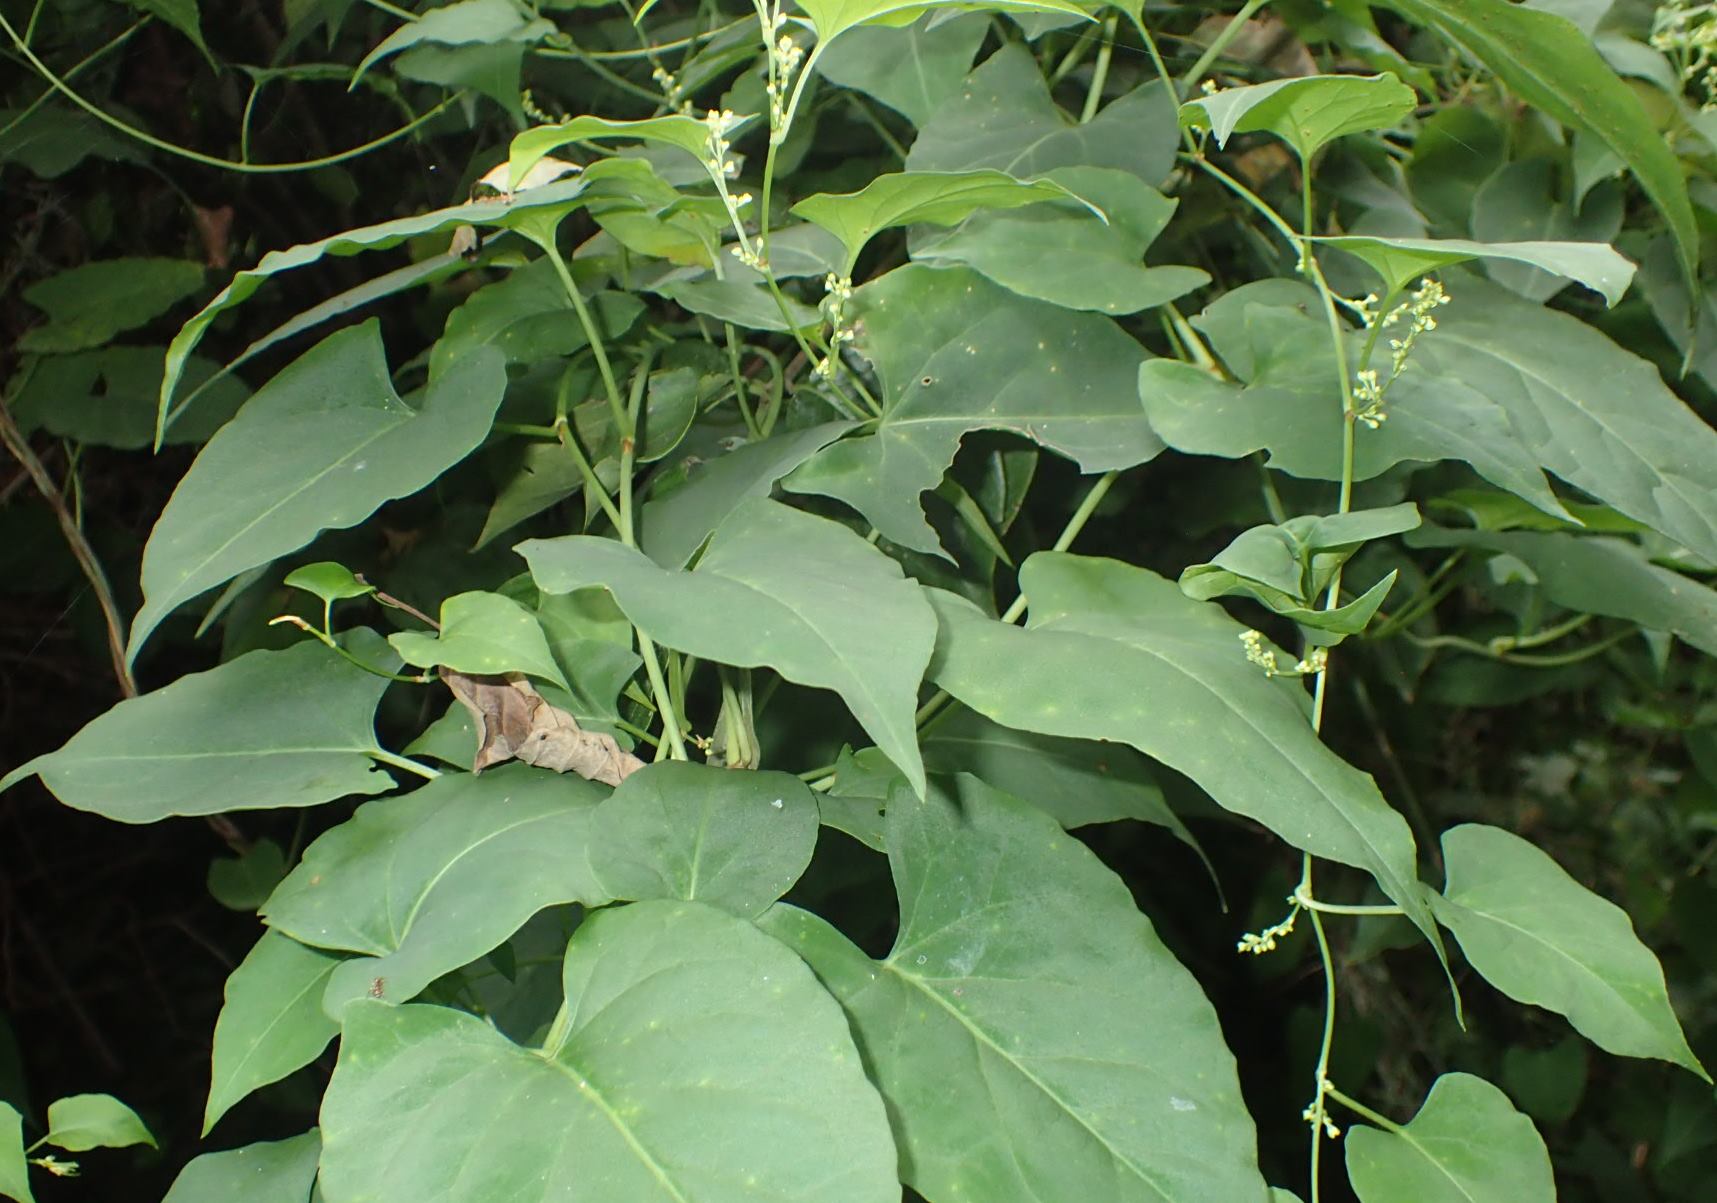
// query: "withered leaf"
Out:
[515,722]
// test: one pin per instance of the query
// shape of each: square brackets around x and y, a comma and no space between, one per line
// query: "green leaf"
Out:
[329,581]
[287,728]
[1118,653]
[1028,1026]
[107,397]
[1547,1083]
[1467,1145]
[339,441]
[695,1059]
[80,1122]
[1400,261]
[913,70]
[1004,118]
[1290,407]
[944,198]
[181,15]
[1062,254]
[271,1023]
[426,883]
[89,304]
[276,1171]
[244,882]
[736,840]
[777,588]
[14,1169]
[1545,940]
[528,317]
[955,354]
[689,134]
[461,23]
[1306,112]
[1608,576]
[744,304]
[1596,415]
[485,634]
[675,526]
[504,212]
[830,17]
[1550,64]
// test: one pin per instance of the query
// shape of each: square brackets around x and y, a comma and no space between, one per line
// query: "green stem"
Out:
[1360,1109]
[402,762]
[1328,1042]
[664,703]
[185,152]
[739,388]
[591,333]
[87,61]
[1230,31]
[1099,73]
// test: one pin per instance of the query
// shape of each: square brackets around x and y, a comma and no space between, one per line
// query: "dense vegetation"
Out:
[1094,602]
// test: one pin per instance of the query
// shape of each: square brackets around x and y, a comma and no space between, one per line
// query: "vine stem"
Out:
[1212,52]
[196,156]
[403,762]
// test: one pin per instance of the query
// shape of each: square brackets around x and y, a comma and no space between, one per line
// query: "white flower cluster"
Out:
[1256,653]
[1417,311]
[839,290]
[1687,33]
[723,167]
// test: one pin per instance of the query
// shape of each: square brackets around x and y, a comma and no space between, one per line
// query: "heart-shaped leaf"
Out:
[426,883]
[1400,261]
[482,633]
[704,834]
[1029,1026]
[695,1058]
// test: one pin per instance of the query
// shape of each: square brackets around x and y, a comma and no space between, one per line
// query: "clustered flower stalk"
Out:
[1417,311]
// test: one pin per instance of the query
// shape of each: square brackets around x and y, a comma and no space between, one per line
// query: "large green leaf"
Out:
[1545,940]
[426,883]
[1290,405]
[955,353]
[1596,415]
[271,1023]
[704,834]
[1306,111]
[915,70]
[675,525]
[277,1171]
[466,22]
[1467,1145]
[1550,64]
[182,15]
[695,1059]
[89,304]
[1005,118]
[286,728]
[339,442]
[1116,652]
[901,198]
[485,634]
[1029,1027]
[778,588]
[1608,576]
[535,144]
[1400,261]
[1062,254]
